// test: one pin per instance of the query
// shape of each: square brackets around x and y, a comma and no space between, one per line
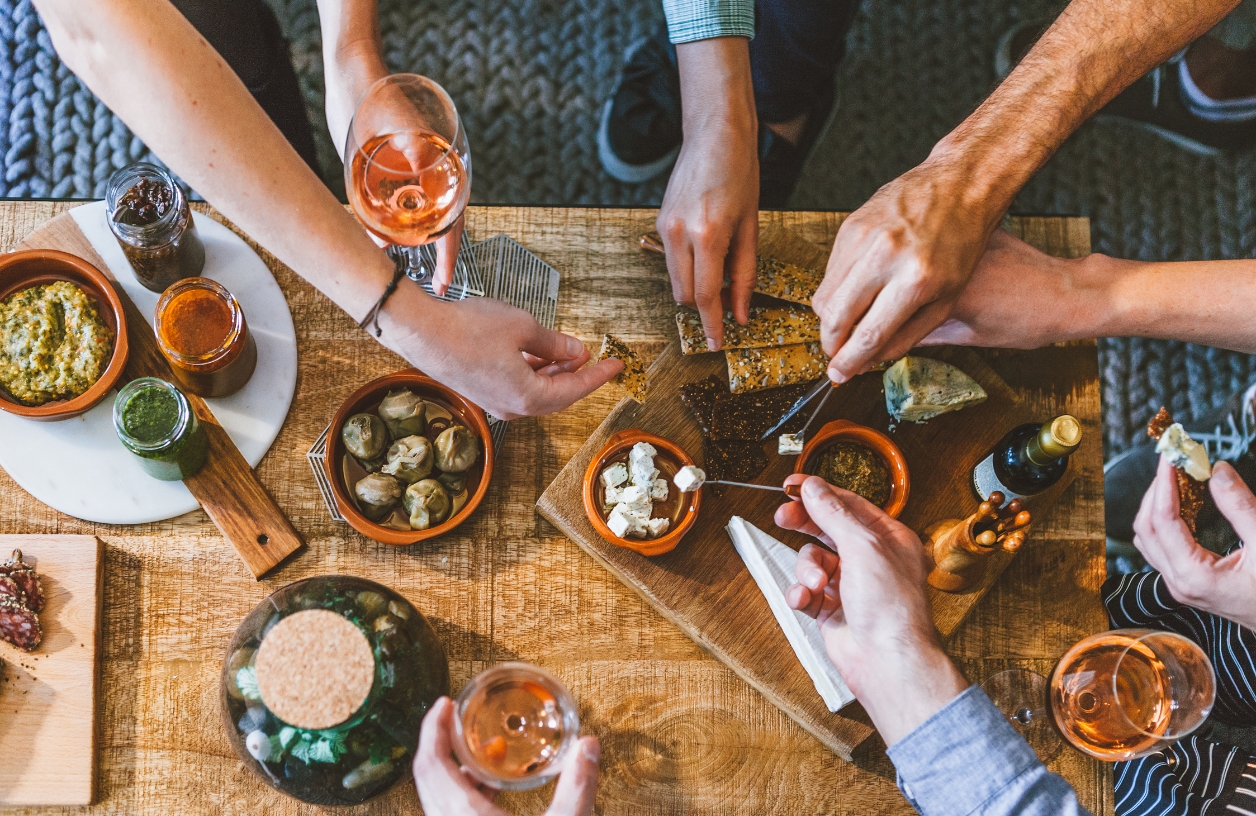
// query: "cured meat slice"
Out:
[26,578]
[19,626]
[10,591]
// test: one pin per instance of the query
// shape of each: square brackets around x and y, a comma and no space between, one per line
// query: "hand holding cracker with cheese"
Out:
[1223,585]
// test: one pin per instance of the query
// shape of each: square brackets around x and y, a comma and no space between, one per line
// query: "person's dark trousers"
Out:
[247,35]
[795,52]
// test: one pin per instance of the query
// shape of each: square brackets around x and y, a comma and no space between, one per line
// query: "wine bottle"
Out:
[1029,459]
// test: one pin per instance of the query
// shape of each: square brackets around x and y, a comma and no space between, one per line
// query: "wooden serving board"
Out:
[48,696]
[703,586]
[227,488]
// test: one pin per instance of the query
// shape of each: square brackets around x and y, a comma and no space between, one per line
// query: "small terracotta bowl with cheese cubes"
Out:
[629,496]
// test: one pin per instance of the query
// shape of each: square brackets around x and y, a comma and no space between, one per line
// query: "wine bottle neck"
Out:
[1055,440]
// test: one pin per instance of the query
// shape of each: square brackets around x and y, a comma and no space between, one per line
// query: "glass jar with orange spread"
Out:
[203,335]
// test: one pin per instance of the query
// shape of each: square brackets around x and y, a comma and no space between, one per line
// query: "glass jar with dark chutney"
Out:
[150,217]
[202,333]
[156,423]
[325,684]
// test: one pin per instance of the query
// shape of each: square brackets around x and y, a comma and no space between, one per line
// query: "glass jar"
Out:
[150,217]
[202,333]
[324,687]
[156,423]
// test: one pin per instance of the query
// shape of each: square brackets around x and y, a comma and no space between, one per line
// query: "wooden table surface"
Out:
[680,732]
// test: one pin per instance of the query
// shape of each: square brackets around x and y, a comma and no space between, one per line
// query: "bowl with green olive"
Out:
[63,341]
[408,459]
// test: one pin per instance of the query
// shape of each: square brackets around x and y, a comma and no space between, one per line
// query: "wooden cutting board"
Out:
[48,696]
[703,586]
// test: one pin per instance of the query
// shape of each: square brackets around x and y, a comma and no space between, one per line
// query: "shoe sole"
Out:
[619,169]
[1184,142]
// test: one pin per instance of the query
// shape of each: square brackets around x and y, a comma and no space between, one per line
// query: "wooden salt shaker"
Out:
[960,547]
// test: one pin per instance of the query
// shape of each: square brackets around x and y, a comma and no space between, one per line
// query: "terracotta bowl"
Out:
[847,431]
[365,400]
[38,267]
[671,458]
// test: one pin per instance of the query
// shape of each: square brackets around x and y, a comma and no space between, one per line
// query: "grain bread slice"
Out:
[632,379]
[768,326]
[758,368]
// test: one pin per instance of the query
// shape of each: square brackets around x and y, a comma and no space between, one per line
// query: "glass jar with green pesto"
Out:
[155,422]
[324,687]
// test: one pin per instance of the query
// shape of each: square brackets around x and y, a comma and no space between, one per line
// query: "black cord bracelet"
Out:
[373,314]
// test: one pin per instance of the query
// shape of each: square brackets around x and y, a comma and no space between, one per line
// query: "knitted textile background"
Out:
[530,78]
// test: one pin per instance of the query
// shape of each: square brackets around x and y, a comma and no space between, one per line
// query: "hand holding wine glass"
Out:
[408,170]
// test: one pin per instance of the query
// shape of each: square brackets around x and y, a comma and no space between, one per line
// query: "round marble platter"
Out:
[79,467]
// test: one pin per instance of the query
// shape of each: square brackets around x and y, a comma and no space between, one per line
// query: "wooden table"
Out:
[680,732]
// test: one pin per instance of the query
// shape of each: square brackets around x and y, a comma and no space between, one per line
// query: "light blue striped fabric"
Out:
[690,20]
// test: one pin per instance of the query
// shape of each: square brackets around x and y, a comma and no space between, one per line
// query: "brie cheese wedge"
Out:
[921,388]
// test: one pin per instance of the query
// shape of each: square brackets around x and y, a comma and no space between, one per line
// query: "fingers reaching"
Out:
[447,247]
[577,785]
[442,786]
[741,264]
[708,287]
[1235,500]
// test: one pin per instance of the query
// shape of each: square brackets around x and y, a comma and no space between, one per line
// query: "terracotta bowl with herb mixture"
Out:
[442,409]
[860,459]
[680,508]
[324,687]
[20,271]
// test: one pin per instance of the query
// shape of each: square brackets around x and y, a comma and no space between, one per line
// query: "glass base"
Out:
[410,260]
[1021,696]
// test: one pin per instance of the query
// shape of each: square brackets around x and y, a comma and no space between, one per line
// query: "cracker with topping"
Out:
[768,326]
[1191,492]
[755,369]
[632,380]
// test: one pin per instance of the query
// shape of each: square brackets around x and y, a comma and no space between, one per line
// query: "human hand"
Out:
[492,353]
[709,220]
[446,789]
[1222,585]
[1019,297]
[897,267]
[867,592]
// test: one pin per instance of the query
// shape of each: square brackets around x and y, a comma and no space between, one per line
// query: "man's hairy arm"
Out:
[901,260]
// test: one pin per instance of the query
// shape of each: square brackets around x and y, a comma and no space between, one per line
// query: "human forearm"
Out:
[715,85]
[352,58]
[148,64]
[1093,50]
[903,691]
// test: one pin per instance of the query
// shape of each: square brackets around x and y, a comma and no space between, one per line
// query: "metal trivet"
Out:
[468,281]
[500,268]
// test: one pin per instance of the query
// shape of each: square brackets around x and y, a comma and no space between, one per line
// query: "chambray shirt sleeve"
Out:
[967,759]
[689,20]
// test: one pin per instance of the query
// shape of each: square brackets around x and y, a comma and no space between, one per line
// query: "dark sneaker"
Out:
[640,133]
[781,162]
[1228,433]
[1155,103]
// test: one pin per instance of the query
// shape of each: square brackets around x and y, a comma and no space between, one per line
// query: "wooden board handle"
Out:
[227,488]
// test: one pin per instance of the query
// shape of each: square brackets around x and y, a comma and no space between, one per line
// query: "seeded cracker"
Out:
[768,326]
[1190,492]
[755,369]
[632,379]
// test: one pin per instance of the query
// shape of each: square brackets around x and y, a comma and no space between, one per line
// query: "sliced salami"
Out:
[19,626]
[11,591]
[27,579]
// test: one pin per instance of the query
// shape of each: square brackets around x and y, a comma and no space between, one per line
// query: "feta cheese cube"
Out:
[615,475]
[689,479]
[636,497]
[641,464]
[638,522]
[658,526]
[658,490]
[612,495]
[619,522]
[789,445]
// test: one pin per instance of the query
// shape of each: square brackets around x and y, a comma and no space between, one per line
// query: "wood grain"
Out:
[681,732]
[227,488]
[48,697]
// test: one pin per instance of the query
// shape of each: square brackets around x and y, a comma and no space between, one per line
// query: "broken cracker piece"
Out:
[1190,491]
[632,379]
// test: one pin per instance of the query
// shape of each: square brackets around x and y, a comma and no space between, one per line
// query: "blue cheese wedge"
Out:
[919,388]
[1185,453]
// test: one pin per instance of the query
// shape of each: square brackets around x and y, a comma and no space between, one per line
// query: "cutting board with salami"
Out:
[48,695]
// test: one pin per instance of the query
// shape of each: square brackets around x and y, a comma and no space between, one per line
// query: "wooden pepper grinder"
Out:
[960,547]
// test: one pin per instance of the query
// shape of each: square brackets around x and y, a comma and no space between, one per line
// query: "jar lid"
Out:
[315,669]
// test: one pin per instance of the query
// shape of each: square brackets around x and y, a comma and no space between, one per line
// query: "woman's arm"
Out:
[151,67]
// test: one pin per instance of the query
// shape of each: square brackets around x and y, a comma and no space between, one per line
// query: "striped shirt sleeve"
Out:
[690,20]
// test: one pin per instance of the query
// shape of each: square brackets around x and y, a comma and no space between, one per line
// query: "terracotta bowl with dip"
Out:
[680,508]
[339,466]
[841,430]
[39,267]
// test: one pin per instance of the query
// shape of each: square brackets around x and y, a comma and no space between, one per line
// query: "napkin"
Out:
[771,564]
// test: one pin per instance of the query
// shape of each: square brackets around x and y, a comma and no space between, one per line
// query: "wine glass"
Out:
[1116,696]
[407,166]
